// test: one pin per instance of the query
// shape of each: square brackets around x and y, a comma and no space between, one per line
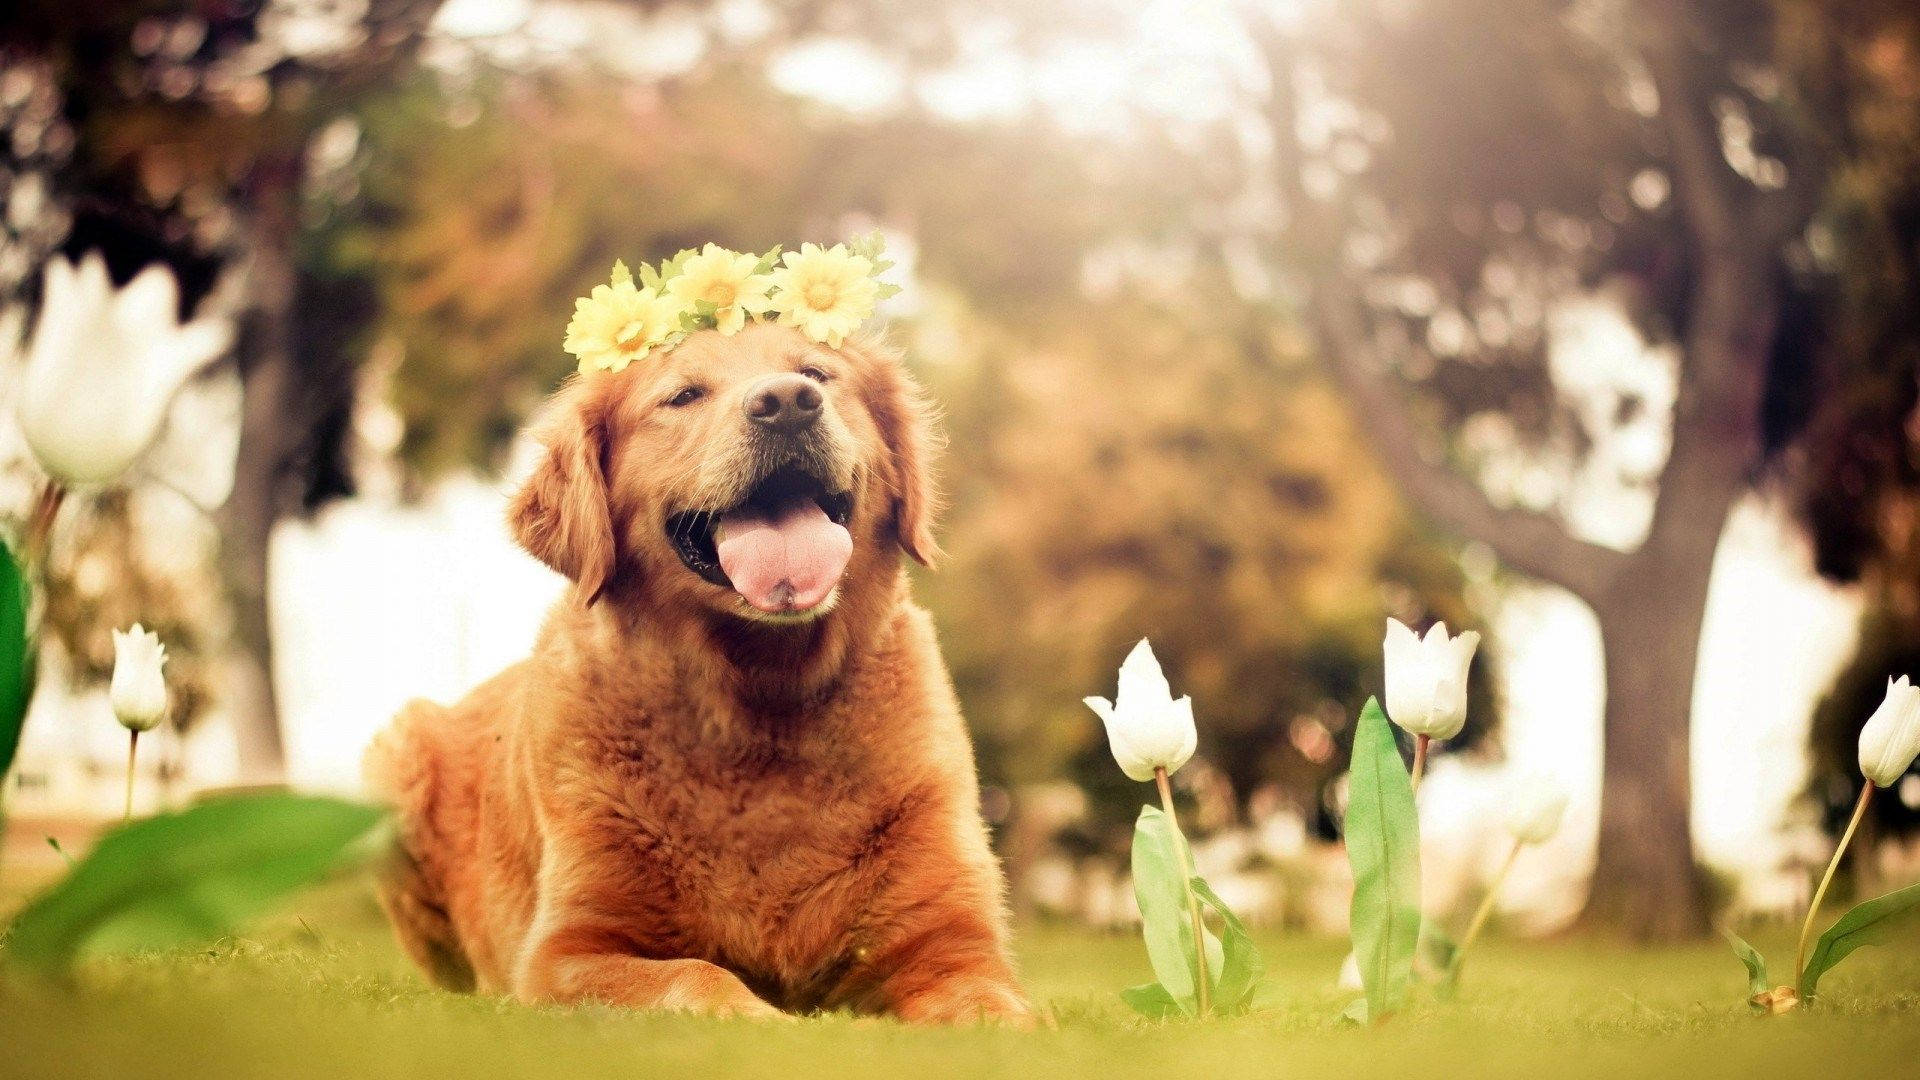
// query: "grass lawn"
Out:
[320,991]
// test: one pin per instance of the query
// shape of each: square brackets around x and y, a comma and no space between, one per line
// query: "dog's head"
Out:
[755,475]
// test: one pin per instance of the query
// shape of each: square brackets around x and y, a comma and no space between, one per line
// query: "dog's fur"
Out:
[676,803]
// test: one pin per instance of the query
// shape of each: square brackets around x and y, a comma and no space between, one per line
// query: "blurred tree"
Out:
[1453,174]
[1860,482]
[180,132]
[1140,466]
[477,212]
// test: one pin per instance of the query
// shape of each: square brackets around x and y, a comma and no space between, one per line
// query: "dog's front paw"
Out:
[971,1002]
[711,990]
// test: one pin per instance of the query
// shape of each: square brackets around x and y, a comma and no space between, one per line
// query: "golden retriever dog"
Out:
[732,777]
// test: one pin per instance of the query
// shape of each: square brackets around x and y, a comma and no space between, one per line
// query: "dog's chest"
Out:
[774,865]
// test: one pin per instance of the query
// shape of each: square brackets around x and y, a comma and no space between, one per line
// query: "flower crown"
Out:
[824,292]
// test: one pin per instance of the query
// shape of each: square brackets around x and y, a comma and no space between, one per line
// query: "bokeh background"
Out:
[1591,324]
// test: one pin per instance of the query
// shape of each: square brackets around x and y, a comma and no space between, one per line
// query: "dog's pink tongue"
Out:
[787,562]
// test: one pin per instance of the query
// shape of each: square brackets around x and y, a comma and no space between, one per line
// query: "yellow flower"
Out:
[827,293]
[617,323]
[724,279]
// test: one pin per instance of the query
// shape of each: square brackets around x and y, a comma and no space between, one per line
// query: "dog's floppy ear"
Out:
[561,515]
[905,418]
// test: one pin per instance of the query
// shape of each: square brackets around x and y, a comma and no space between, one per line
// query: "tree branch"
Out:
[1722,209]
[1706,185]
[1533,543]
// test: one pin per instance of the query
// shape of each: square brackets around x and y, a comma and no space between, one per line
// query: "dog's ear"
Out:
[561,515]
[905,418]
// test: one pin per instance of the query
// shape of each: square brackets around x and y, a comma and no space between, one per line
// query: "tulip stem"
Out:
[1819,894]
[40,524]
[1419,758]
[133,748]
[1193,902]
[1485,911]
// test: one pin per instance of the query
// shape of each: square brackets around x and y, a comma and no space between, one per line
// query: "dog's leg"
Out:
[575,950]
[421,923]
[580,964]
[405,769]
[949,968]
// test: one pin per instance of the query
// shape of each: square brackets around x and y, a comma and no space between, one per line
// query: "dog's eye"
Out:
[686,397]
[816,374]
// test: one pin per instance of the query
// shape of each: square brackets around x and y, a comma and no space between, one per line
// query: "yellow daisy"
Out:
[826,292]
[617,323]
[724,279]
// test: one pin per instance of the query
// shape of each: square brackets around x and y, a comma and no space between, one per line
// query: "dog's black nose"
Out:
[786,403]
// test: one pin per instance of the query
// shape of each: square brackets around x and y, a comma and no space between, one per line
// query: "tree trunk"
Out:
[1645,880]
[259,477]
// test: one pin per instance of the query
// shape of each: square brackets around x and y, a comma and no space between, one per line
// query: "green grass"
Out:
[320,991]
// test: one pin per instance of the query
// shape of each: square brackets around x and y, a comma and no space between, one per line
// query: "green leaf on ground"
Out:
[187,877]
[1872,922]
[1151,1000]
[1383,847]
[1241,965]
[1756,965]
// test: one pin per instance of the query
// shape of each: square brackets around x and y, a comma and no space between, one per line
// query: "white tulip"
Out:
[139,690]
[1535,804]
[1891,738]
[103,365]
[1146,727]
[1427,679]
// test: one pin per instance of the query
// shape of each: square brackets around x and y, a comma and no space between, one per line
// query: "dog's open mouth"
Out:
[784,548]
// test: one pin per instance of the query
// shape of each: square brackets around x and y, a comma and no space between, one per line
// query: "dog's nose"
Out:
[785,403]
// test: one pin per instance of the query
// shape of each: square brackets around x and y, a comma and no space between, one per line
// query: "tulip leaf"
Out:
[1355,1012]
[1756,965]
[1872,922]
[186,877]
[1383,847]
[1159,860]
[1438,958]
[1157,875]
[1151,1000]
[16,656]
[1241,965]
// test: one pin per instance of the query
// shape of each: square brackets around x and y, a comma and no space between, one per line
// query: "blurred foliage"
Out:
[483,207]
[107,578]
[179,133]
[1143,469]
[1860,483]
[1119,464]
